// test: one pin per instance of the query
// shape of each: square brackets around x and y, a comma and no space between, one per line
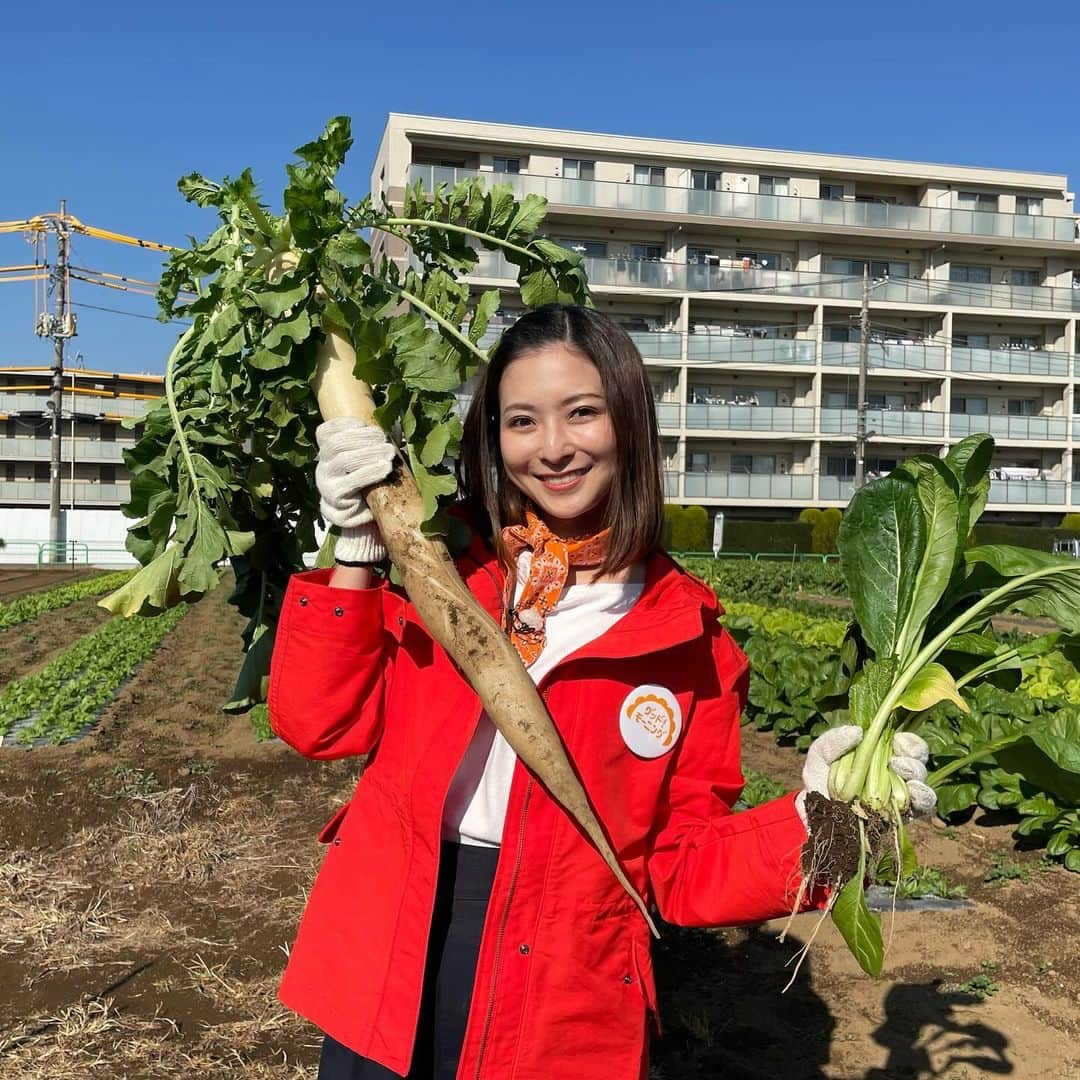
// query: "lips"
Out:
[563,481]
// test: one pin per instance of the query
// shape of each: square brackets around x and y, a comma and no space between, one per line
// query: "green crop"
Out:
[923,604]
[225,466]
[28,607]
[65,697]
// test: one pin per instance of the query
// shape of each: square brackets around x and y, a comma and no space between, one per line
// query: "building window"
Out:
[880,200]
[589,249]
[1023,407]
[773,185]
[879,268]
[41,472]
[832,191]
[969,406]
[759,260]
[971,341]
[649,174]
[506,164]
[1029,204]
[757,464]
[970,275]
[977,200]
[696,256]
[891,402]
[646,252]
[704,180]
[840,399]
[1022,277]
[841,333]
[578,169]
[107,432]
[108,474]
[1024,341]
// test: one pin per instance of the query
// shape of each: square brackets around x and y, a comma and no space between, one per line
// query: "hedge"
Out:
[780,536]
[1029,536]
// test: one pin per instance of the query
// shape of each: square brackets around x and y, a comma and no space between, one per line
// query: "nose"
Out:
[558,446]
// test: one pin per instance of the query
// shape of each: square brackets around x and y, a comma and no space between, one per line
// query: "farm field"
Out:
[151,877]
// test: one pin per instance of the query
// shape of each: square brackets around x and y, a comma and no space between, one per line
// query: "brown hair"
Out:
[635,505]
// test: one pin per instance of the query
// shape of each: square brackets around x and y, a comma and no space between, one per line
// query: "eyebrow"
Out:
[562,404]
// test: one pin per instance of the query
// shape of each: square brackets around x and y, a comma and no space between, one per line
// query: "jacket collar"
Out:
[674,606]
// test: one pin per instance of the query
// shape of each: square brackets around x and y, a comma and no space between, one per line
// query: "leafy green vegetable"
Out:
[24,608]
[225,465]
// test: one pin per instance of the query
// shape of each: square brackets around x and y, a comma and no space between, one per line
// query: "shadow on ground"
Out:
[724,1015]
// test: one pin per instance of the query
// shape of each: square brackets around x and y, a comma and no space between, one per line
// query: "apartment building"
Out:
[738,272]
[94,480]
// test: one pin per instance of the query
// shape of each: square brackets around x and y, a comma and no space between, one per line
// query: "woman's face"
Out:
[556,436]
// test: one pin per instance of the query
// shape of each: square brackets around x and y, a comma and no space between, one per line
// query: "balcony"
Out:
[1042,428]
[749,418]
[658,344]
[695,277]
[885,355]
[914,423]
[31,491]
[90,404]
[763,486]
[732,349]
[791,209]
[671,484]
[835,488]
[85,450]
[667,414]
[1030,492]
[1010,361]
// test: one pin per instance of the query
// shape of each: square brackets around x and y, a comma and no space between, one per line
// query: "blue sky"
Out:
[107,104]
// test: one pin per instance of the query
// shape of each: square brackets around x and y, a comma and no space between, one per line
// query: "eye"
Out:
[518,421]
[586,411]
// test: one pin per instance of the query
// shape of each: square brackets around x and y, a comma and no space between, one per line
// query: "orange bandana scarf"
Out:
[552,557]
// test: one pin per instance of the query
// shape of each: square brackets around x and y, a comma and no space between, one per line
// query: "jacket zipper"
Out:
[500,935]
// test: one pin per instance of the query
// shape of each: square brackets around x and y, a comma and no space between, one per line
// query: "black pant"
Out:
[461,899]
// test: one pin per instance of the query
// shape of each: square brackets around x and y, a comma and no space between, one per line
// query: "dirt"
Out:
[29,646]
[152,874]
[16,580]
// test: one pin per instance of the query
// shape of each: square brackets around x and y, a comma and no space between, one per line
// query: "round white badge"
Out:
[650,721]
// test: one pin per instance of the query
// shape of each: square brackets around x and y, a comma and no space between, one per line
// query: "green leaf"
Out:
[294,330]
[1052,588]
[969,459]
[858,926]
[275,300]
[931,684]
[1072,861]
[528,217]
[539,288]
[935,487]
[270,360]
[881,542]
[348,249]
[154,588]
[953,798]
[251,682]
[485,308]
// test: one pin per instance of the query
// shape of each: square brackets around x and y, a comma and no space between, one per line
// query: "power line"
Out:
[132,314]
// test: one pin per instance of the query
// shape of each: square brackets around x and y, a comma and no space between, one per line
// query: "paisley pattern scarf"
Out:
[552,557]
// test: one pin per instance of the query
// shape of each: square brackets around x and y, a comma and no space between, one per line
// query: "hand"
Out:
[908,762]
[352,456]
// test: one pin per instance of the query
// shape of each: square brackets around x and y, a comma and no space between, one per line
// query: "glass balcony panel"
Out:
[749,418]
[1050,428]
[667,414]
[31,491]
[1076,427]
[658,345]
[907,422]
[671,485]
[1035,492]
[84,450]
[1010,361]
[835,488]
[764,486]
[722,349]
[912,357]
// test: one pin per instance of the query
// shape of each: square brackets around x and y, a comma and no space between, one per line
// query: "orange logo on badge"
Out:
[650,720]
[653,714]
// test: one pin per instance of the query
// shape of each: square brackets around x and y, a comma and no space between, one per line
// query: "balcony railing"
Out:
[32,491]
[724,349]
[835,488]
[657,344]
[749,418]
[793,209]
[714,485]
[696,277]
[880,355]
[84,403]
[1034,492]
[671,484]
[1010,361]
[916,423]
[84,450]
[1051,428]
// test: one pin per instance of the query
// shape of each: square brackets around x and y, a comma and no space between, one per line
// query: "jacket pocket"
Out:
[329,830]
[641,955]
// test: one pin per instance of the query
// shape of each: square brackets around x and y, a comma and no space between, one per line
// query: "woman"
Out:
[461,924]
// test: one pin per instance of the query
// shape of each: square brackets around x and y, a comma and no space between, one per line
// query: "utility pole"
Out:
[59,327]
[864,354]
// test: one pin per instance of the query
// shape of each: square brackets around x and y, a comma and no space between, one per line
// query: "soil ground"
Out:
[17,579]
[152,874]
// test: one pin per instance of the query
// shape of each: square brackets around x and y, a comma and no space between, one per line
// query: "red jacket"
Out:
[564,981]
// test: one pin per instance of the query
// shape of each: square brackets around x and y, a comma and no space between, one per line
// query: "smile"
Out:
[563,481]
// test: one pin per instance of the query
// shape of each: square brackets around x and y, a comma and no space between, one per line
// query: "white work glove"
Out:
[908,762]
[352,456]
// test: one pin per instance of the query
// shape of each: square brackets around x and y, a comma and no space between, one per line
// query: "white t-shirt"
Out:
[476,803]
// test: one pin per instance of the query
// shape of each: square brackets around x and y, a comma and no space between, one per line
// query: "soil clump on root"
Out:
[831,855]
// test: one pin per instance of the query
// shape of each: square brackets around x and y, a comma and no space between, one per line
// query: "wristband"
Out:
[350,562]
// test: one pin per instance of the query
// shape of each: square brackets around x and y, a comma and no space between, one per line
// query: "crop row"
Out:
[64,698]
[767,582]
[1017,748]
[32,605]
